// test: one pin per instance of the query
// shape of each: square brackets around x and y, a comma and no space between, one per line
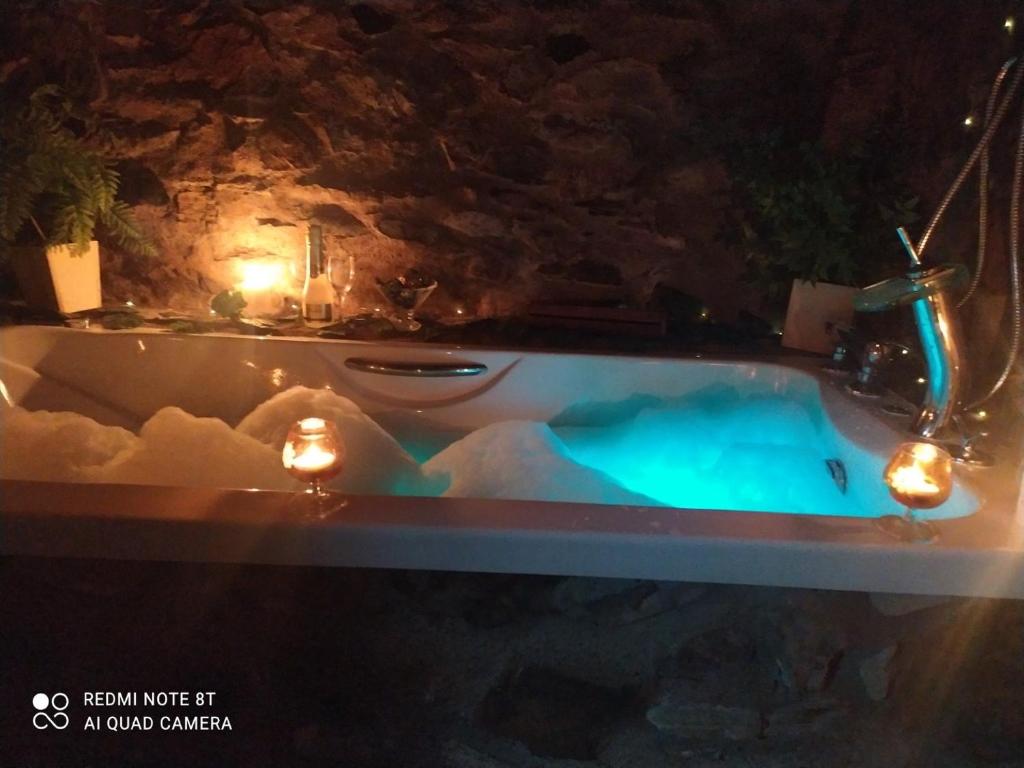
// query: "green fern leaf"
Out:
[121,225]
[48,175]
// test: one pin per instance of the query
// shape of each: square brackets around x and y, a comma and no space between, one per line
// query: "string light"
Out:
[1009,25]
[969,121]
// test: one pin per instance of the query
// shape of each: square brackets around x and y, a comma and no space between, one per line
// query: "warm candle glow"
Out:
[260,275]
[312,459]
[913,480]
[263,283]
[920,475]
[312,451]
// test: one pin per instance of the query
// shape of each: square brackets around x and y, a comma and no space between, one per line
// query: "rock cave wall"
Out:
[524,151]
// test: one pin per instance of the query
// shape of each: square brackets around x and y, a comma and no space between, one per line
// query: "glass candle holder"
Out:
[314,454]
[919,476]
[406,294]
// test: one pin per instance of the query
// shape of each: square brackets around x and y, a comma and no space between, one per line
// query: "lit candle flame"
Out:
[312,458]
[912,479]
[262,282]
[258,276]
[312,451]
[920,475]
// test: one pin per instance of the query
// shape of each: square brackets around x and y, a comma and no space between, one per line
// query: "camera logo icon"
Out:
[42,719]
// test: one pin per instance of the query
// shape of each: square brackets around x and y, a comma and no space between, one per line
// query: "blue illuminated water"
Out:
[718,448]
[714,449]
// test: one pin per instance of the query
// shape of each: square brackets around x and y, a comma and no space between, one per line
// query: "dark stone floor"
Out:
[338,667]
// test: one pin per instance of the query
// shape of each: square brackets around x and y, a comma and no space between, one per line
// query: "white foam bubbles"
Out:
[712,450]
[523,460]
[374,461]
[177,448]
[57,446]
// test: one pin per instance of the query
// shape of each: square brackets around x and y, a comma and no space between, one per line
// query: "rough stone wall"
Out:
[517,151]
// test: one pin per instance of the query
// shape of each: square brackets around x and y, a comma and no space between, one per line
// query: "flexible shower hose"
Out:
[981,151]
[1015,287]
[983,167]
[965,171]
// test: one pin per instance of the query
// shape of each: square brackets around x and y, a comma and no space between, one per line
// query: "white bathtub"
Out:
[122,378]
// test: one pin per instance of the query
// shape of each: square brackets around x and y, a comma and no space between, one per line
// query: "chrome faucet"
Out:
[843,352]
[928,292]
[938,327]
[869,380]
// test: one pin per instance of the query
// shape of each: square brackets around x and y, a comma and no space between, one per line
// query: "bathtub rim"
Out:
[841,408]
[31,514]
[979,555]
[405,344]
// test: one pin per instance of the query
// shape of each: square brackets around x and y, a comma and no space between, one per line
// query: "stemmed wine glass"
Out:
[919,476]
[314,454]
[341,272]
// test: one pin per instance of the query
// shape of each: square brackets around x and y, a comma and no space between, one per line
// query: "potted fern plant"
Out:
[815,225]
[54,193]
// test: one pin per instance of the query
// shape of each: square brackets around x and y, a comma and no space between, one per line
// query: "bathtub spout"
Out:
[938,328]
[872,378]
[941,343]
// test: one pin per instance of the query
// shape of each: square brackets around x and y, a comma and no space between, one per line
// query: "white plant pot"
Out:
[812,307]
[60,278]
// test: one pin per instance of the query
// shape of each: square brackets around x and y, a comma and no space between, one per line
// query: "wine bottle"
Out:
[317,291]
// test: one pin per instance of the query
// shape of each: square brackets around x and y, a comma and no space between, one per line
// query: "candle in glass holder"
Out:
[261,284]
[312,452]
[920,475]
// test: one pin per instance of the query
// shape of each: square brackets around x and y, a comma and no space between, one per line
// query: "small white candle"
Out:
[313,450]
[913,480]
[313,458]
[919,475]
[261,286]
